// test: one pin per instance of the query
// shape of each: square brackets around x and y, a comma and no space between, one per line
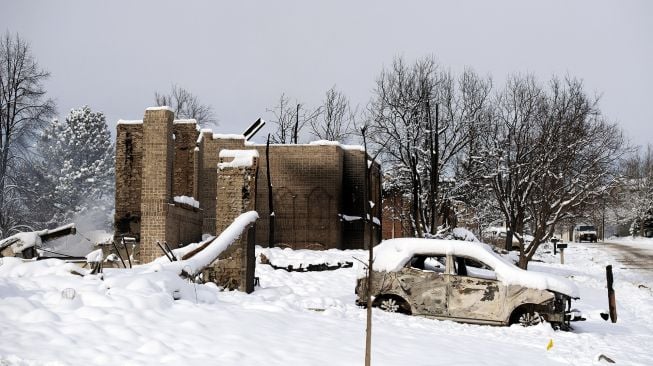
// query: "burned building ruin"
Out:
[175,182]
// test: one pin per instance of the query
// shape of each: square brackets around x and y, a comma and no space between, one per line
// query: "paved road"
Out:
[635,257]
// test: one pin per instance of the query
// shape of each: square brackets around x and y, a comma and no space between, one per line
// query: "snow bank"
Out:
[303,257]
[241,158]
[187,200]
[392,255]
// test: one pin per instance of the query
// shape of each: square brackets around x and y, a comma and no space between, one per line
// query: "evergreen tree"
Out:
[74,174]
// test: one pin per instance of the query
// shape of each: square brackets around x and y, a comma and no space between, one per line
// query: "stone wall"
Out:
[156,191]
[129,165]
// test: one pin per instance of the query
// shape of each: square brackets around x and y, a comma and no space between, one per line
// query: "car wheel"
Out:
[390,305]
[393,304]
[527,318]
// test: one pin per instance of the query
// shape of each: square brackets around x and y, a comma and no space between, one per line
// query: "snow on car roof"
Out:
[392,255]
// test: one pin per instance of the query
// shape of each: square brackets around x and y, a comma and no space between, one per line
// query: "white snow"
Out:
[25,240]
[191,201]
[50,317]
[350,218]
[95,256]
[185,121]
[161,108]
[130,122]
[335,143]
[241,158]
[464,234]
[324,143]
[228,136]
[393,254]
[202,259]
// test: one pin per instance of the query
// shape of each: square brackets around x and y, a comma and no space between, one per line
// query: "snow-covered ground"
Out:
[49,316]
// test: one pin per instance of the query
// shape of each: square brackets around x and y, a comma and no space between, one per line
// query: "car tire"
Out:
[526,317]
[392,304]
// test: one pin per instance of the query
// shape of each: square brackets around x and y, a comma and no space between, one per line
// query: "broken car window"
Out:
[464,266]
[433,263]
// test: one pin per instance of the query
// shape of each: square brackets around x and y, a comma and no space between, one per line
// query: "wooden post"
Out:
[368,218]
[612,303]
[562,247]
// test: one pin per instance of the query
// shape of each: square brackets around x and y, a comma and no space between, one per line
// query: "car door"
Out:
[474,293]
[425,283]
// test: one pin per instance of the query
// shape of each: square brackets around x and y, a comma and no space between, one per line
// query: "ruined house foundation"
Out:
[175,182]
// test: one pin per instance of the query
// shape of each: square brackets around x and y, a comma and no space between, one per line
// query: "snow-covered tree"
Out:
[75,170]
[636,193]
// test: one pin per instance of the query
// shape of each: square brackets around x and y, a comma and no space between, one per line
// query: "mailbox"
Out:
[561,246]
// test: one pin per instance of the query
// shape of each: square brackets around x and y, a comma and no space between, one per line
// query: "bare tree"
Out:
[23,111]
[425,142]
[186,105]
[336,117]
[290,119]
[548,157]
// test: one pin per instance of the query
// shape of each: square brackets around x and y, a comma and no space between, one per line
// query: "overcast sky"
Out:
[239,56]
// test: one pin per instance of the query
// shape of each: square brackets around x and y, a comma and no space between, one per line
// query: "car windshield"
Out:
[586,228]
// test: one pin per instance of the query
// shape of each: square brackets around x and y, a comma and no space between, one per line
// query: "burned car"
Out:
[465,282]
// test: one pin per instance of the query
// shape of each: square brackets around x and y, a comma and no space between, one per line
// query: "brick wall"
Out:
[236,194]
[156,191]
[209,150]
[129,164]
[183,225]
[314,185]
[307,191]
[186,134]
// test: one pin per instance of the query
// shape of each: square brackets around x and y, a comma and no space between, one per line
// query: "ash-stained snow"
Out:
[50,316]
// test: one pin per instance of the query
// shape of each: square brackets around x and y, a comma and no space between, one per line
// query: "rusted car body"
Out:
[436,281]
